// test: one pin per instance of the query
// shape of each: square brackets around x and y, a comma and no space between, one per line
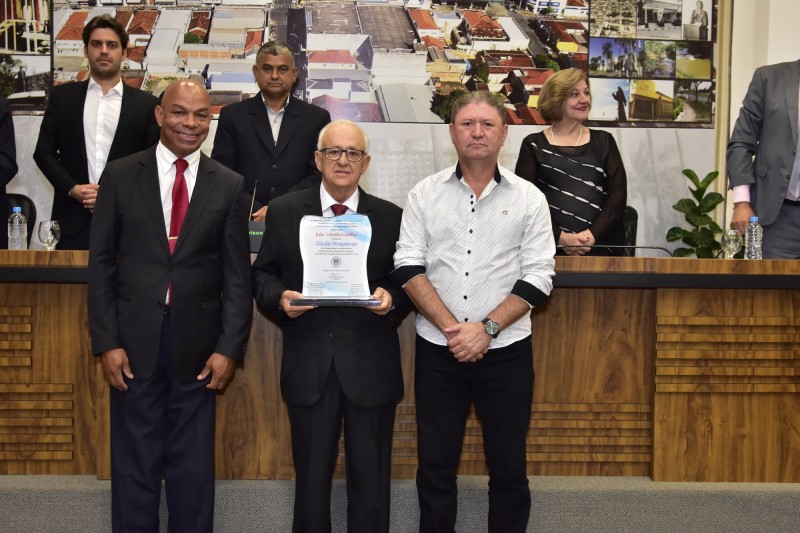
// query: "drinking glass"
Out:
[49,234]
[731,243]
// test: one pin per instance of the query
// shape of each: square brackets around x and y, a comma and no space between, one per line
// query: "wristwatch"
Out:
[491,327]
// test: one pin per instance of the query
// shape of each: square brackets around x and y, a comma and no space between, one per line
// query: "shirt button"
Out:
[330,336]
[471,230]
[274,167]
[465,296]
[466,274]
[469,251]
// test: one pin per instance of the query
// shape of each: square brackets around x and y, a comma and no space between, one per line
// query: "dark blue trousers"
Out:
[162,426]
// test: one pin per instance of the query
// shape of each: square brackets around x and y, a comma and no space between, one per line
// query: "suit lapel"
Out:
[260,122]
[366,202]
[291,118]
[204,186]
[311,202]
[77,118]
[151,191]
[791,87]
[126,115]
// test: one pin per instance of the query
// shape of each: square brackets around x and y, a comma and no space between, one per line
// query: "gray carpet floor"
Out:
[60,504]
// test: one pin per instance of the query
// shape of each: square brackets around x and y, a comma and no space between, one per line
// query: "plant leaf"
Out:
[682,252]
[710,201]
[675,234]
[698,221]
[687,207]
[692,175]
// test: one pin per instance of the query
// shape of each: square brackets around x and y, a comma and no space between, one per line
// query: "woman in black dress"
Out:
[579,170]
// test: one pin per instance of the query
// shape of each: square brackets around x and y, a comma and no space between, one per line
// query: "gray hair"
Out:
[342,122]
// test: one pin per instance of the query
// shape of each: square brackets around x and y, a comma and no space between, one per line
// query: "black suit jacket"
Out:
[61,150]
[364,347]
[130,267]
[244,143]
[8,160]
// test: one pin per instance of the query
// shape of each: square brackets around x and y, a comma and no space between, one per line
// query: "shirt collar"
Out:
[497,175]
[168,158]
[269,109]
[326,200]
[94,86]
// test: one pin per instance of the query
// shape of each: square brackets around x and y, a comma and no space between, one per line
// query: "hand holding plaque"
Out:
[334,252]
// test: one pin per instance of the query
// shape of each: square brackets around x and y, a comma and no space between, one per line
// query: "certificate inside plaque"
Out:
[334,252]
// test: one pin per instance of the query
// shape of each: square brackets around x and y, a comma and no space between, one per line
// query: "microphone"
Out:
[253,199]
[255,227]
[610,247]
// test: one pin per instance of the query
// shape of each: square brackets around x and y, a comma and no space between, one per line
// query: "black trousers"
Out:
[501,387]
[368,454]
[162,426]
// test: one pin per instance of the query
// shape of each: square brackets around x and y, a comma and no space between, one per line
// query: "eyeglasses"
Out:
[333,154]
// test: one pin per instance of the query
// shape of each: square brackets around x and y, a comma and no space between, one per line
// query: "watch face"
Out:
[491,327]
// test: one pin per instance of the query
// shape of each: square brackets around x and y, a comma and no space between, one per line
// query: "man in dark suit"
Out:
[338,362]
[764,160]
[170,304]
[270,138]
[8,160]
[89,123]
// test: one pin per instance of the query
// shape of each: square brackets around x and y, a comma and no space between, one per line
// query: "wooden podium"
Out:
[678,369]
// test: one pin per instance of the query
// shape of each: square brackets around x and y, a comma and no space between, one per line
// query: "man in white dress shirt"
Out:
[88,124]
[475,255]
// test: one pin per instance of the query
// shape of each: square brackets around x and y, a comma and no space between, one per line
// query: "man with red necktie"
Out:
[340,364]
[170,305]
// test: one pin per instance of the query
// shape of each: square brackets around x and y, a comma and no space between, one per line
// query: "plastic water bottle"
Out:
[17,230]
[752,239]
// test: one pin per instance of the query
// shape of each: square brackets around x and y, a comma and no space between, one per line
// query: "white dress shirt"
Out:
[475,252]
[166,177]
[100,120]
[275,118]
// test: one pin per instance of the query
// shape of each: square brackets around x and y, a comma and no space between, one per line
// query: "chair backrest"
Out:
[629,224]
[28,209]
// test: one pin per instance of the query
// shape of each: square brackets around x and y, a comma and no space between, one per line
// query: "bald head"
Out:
[184,116]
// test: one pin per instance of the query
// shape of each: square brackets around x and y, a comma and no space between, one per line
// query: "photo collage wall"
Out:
[652,61]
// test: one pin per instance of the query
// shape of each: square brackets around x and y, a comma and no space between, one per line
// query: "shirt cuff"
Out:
[529,293]
[741,193]
[402,275]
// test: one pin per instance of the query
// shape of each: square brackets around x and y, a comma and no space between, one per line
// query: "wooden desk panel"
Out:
[640,370]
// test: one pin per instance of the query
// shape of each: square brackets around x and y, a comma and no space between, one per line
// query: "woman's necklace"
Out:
[553,135]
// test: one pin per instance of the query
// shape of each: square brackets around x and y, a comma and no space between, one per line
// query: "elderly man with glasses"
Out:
[340,364]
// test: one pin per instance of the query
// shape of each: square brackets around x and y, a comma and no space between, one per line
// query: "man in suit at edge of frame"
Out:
[763,159]
[170,304]
[339,363]
[89,123]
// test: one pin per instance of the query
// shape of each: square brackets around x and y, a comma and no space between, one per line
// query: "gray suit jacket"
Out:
[130,267]
[763,145]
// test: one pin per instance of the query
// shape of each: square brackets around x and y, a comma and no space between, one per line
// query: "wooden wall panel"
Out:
[683,384]
[47,402]
[727,383]
[593,391]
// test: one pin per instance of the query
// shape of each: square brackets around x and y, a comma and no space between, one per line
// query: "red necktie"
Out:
[338,209]
[180,203]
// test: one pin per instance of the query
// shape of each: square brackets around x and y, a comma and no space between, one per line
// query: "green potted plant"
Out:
[701,240]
